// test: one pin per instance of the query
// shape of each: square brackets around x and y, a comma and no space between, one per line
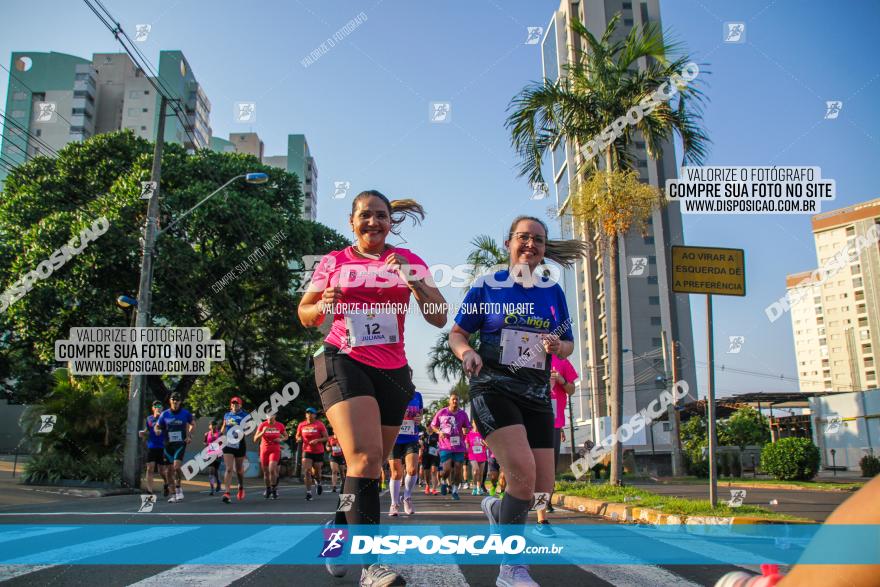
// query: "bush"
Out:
[698,468]
[53,467]
[791,459]
[870,466]
[724,465]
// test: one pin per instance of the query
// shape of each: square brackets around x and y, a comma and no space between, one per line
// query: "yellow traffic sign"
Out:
[708,270]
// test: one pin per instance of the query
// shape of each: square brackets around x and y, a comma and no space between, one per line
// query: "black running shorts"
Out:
[339,377]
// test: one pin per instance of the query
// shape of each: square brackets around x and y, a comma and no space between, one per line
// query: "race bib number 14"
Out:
[522,348]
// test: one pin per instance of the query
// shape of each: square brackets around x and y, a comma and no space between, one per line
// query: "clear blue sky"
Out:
[364,108]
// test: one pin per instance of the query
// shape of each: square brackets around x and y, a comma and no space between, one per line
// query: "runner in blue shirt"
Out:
[155,448]
[236,447]
[176,426]
[522,318]
[406,448]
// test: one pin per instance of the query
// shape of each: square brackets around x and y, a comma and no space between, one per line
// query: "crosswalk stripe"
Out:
[718,552]
[204,570]
[68,554]
[13,535]
[434,575]
[8,572]
[636,573]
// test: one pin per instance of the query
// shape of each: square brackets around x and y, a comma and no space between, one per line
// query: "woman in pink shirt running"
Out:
[361,370]
[476,449]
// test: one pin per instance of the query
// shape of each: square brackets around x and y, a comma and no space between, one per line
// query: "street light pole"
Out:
[137,383]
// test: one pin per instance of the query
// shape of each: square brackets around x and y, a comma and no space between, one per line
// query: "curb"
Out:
[748,485]
[75,492]
[622,513]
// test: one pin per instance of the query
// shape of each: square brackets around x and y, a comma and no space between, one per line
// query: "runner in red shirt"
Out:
[337,462]
[312,433]
[272,433]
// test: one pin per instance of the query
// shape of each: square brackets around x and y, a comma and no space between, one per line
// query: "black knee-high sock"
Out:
[365,509]
[512,515]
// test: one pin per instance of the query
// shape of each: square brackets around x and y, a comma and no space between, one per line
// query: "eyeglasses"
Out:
[525,237]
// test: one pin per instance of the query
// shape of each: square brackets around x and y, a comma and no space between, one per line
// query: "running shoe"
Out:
[550,509]
[240,493]
[394,510]
[769,577]
[514,576]
[173,499]
[544,529]
[474,491]
[320,489]
[408,506]
[443,489]
[266,493]
[427,491]
[455,496]
[466,486]
[308,496]
[487,506]
[226,497]
[434,492]
[179,494]
[166,491]
[378,575]
[275,492]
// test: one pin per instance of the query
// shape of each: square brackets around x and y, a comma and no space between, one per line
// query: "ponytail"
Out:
[399,210]
[564,252]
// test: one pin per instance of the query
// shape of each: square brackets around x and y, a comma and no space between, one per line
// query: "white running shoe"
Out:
[514,576]
[486,506]
[408,506]
[394,510]
[180,495]
[378,575]
[173,499]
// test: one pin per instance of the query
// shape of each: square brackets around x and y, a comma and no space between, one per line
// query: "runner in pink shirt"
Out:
[562,378]
[361,369]
[476,448]
[451,423]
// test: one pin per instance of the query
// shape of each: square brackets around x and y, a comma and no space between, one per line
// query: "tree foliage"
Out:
[47,201]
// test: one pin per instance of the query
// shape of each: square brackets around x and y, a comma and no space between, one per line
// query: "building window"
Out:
[132,112]
[628,21]
[655,321]
[866,349]
[865,334]
[144,110]
[656,342]
[652,279]
[654,300]
[39,132]
[856,269]
[871,375]
[869,361]
[850,231]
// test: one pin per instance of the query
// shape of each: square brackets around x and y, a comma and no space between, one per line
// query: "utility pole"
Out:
[710,402]
[671,372]
[138,383]
[571,426]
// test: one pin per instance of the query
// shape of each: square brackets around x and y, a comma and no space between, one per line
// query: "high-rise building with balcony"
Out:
[835,311]
[55,98]
[649,309]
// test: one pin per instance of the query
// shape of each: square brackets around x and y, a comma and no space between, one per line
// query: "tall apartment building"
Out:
[836,319]
[298,161]
[649,308]
[60,98]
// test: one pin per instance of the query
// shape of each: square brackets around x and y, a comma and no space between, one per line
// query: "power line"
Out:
[143,63]
[27,133]
[12,75]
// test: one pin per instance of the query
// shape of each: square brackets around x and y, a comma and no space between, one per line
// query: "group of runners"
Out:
[366,389]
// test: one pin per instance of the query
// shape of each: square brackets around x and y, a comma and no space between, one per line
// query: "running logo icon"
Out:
[833,425]
[341,189]
[832,109]
[142,31]
[736,497]
[534,35]
[539,190]
[47,111]
[441,112]
[736,344]
[734,32]
[541,501]
[638,266]
[147,503]
[147,189]
[334,539]
[245,112]
[47,423]
[346,500]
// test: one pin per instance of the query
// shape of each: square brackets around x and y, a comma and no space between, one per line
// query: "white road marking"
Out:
[205,572]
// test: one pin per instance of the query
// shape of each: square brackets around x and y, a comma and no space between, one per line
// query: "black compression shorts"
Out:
[339,377]
[494,410]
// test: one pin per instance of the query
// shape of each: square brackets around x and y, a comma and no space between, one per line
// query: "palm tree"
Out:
[602,85]
[485,256]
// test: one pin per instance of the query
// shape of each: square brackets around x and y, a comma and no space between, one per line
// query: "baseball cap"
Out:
[311,411]
[175,395]
[157,404]
[236,400]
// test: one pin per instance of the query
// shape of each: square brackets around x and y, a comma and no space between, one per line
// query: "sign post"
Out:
[709,271]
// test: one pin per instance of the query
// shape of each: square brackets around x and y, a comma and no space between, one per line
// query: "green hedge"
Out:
[870,466]
[791,459]
[52,467]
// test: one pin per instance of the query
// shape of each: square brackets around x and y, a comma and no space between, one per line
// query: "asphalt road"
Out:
[291,508]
